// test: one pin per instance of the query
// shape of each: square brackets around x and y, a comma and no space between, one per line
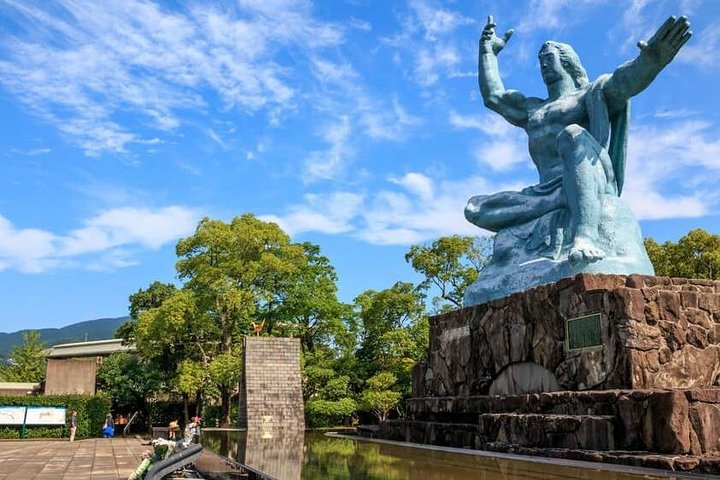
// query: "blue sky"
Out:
[355,124]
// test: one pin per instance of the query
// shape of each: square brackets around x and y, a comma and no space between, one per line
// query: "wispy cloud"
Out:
[503,146]
[673,170]
[83,65]
[413,208]
[356,112]
[331,162]
[702,49]
[554,14]
[426,35]
[109,240]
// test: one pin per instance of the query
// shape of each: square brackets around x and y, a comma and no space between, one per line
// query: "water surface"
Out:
[316,456]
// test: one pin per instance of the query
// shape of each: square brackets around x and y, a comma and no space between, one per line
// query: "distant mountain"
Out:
[100,329]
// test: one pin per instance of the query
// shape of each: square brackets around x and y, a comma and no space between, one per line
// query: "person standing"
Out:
[73,425]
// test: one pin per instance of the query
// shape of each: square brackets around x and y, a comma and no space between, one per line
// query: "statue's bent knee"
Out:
[570,137]
[474,211]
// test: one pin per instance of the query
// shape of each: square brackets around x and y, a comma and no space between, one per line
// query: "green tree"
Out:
[235,271]
[130,381]
[332,404]
[391,336]
[26,361]
[695,255]
[450,264]
[175,335]
[191,379]
[308,307]
[379,396]
[143,300]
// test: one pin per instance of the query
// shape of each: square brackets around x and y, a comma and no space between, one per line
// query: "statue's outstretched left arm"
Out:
[634,76]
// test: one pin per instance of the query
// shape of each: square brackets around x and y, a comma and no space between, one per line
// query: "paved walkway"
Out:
[92,459]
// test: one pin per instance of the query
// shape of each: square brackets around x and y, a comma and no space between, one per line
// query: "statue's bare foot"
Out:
[584,249]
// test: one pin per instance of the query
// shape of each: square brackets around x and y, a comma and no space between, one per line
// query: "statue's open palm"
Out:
[668,40]
[491,43]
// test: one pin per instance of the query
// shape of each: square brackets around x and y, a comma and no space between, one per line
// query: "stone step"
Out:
[589,402]
[462,435]
[587,432]
[465,409]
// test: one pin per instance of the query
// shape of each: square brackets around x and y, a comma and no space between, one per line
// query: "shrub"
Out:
[91,415]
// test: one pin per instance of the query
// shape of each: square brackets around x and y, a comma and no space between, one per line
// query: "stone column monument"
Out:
[271,406]
[271,398]
[568,346]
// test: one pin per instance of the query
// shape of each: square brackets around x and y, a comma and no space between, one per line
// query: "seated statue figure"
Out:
[573,220]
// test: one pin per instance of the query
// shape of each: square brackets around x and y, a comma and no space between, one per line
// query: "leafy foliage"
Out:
[695,255]
[389,339]
[380,397]
[27,361]
[450,264]
[130,381]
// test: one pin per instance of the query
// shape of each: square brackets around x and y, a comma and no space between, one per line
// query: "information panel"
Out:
[12,415]
[45,416]
[584,332]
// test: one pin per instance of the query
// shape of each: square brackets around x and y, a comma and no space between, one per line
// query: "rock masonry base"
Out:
[500,376]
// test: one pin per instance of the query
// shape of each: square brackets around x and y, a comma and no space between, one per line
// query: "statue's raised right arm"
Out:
[634,76]
[511,104]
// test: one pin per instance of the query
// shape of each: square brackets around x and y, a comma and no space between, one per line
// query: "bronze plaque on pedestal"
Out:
[584,332]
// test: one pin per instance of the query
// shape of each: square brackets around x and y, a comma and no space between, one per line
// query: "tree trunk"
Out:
[186,407]
[198,403]
[224,407]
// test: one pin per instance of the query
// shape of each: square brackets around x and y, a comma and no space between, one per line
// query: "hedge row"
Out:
[91,411]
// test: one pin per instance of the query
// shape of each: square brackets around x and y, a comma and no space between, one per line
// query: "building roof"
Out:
[96,348]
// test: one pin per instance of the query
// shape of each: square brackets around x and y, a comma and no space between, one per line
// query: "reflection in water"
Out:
[326,457]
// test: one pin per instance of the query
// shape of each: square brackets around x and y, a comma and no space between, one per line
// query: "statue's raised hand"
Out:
[668,40]
[491,43]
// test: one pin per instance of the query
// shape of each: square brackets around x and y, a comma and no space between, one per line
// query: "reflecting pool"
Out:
[316,456]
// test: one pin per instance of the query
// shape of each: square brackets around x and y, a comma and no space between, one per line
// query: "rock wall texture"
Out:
[271,399]
[657,332]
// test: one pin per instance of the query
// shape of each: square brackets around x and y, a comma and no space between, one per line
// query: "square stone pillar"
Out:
[271,400]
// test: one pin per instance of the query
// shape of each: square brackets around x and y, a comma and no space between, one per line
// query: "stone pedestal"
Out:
[604,363]
[655,332]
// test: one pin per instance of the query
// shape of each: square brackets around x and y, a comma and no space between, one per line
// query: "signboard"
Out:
[12,415]
[45,416]
[584,332]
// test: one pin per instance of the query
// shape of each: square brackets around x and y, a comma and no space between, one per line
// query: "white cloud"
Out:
[24,249]
[330,163]
[702,49]
[504,145]
[381,123]
[436,21]
[427,36]
[678,157]
[420,209]
[81,65]
[108,240]
[328,213]
[553,14]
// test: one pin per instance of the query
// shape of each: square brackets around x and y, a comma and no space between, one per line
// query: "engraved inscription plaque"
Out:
[583,332]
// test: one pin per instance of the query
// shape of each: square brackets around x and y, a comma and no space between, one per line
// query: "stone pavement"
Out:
[90,459]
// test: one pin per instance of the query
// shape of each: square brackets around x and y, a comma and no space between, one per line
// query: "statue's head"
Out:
[569,61]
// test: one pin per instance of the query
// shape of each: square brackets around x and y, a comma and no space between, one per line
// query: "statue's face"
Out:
[551,68]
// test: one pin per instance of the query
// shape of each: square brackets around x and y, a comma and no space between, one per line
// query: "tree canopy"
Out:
[695,255]
[26,362]
[450,264]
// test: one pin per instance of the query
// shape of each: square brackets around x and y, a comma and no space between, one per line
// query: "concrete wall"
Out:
[70,375]
[271,399]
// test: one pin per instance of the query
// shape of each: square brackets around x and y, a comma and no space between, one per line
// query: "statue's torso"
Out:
[546,119]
